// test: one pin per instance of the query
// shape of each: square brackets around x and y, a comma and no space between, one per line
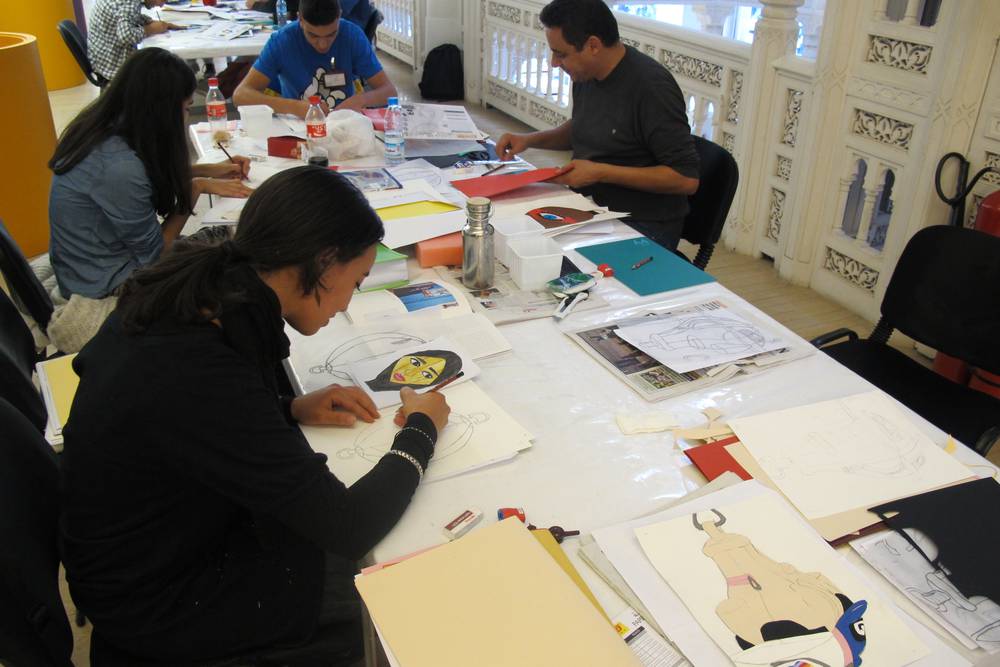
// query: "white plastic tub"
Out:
[256,120]
[535,260]
[505,230]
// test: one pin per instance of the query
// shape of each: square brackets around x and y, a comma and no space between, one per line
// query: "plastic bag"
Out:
[349,135]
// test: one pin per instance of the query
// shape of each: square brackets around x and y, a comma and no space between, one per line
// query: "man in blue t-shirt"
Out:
[319,54]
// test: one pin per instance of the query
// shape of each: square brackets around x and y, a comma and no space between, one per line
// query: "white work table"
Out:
[582,473]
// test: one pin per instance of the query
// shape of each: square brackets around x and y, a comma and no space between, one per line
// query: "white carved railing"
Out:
[397,35]
[894,85]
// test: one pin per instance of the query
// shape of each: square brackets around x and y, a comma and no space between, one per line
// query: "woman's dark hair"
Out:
[383,382]
[319,12]
[307,217]
[579,19]
[144,105]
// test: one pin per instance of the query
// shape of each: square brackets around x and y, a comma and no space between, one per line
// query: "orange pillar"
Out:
[40,19]
[31,138]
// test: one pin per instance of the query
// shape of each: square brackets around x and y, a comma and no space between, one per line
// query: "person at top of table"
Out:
[120,166]
[197,522]
[319,54]
[114,30]
[357,11]
[632,146]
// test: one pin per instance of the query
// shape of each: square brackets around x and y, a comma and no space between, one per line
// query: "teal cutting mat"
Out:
[666,272]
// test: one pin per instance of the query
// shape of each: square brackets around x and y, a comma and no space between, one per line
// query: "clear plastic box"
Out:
[505,230]
[256,120]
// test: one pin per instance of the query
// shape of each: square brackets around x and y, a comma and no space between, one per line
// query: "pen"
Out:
[442,385]
[242,177]
[641,263]
[497,168]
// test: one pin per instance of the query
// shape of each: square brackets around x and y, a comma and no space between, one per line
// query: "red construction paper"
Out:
[712,459]
[490,186]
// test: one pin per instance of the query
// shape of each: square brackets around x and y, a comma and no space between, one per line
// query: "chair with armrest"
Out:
[33,625]
[709,206]
[944,293]
[77,45]
[26,290]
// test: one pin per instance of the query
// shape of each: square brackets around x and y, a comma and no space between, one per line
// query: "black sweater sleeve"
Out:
[235,439]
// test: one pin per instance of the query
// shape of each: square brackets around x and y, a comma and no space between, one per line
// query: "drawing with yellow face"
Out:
[421,369]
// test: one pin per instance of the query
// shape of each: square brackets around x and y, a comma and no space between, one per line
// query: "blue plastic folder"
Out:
[664,273]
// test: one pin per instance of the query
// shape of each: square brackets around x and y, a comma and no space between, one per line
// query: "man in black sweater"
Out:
[632,146]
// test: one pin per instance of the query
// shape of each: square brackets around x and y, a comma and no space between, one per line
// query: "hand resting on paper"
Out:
[223,187]
[432,404]
[580,174]
[334,406]
[237,167]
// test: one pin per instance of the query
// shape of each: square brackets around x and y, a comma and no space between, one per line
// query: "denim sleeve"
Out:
[125,195]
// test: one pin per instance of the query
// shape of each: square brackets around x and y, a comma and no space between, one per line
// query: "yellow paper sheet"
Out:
[492,598]
[415,209]
[63,382]
[555,550]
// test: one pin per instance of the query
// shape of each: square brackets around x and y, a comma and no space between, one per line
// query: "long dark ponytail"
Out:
[306,217]
[144,104]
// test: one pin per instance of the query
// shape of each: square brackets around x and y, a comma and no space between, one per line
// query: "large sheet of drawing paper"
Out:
[418,366]
[494,598]
[769,590]
[975,621]
[322,359]
[685,342]
[621,546]
[479,433]
[851,452]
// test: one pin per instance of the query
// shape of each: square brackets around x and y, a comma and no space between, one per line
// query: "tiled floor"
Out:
[799,308]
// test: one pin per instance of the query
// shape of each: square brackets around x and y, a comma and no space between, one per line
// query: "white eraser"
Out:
[461,524]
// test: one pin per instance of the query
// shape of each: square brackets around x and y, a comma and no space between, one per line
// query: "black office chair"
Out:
[945,293]
[33,625]
[25,288]
[17,363]
[372,26]
[77,45]
[709,206]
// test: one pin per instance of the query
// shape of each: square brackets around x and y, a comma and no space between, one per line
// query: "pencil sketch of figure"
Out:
[374,440]
[362,348]
[417,370]
[777,613]
[977,617]
[707,336]
[847,448]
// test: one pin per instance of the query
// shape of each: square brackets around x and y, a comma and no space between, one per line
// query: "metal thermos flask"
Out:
[477,244]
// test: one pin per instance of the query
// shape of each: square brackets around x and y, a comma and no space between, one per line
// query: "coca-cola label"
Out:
[215,111]
[316,130]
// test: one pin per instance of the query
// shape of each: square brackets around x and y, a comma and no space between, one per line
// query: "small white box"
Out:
[512,228]
[535,260]
[256,120]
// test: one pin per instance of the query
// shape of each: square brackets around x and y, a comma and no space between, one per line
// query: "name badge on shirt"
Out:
[335,79]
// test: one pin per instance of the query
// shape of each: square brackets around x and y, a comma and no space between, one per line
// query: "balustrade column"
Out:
[843,192]
[867,211]
[912,15]
[774,36]
[880,8]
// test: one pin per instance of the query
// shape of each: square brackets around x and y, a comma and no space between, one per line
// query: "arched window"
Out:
[855,201]
[708,126]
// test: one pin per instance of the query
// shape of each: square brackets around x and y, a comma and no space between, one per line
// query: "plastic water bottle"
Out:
[395,143]
[478,250]
[316,127]
[281,12]
[215,109]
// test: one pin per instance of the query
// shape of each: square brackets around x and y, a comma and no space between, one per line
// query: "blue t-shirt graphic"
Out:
[299,71]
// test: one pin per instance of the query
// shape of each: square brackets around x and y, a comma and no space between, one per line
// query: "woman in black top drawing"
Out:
[197,521]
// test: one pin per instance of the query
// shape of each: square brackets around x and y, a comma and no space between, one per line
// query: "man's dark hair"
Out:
[579,19]
[319,12]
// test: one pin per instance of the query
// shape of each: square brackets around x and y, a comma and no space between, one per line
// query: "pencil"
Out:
[442,385]
[498,168]
[223,149]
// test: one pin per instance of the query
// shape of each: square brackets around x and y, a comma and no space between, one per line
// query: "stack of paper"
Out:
[736,577]
[389,270]
[58,382]
[494,597]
